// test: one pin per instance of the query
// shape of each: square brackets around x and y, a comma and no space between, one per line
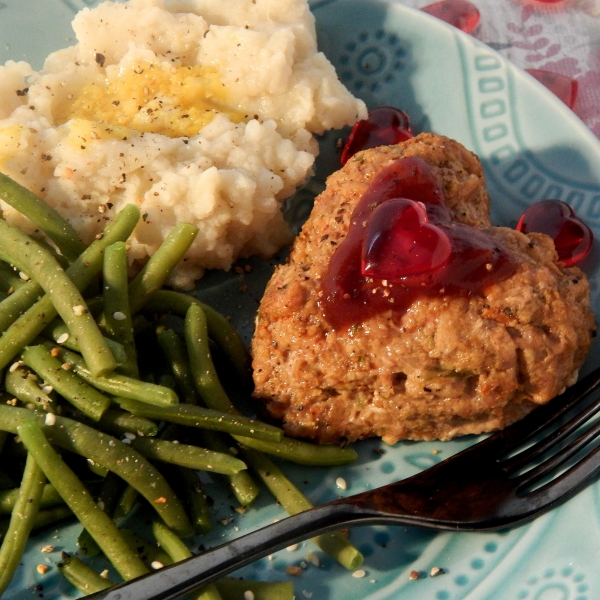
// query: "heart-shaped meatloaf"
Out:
[466,343]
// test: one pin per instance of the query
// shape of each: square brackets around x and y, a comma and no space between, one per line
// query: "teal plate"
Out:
[532,147]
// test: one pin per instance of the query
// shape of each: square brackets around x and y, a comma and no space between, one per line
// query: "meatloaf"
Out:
[447,366]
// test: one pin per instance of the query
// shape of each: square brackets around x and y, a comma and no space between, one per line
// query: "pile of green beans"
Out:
[89,369]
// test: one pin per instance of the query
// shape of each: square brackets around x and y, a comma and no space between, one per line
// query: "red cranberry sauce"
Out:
[403,245]
[573,239]
[384,126]
[462,14]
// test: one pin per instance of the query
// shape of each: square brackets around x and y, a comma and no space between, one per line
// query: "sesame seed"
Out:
[156,564]
[119,316]
[63,338]
[79,310]
[340,482]
[50,419]
[360,573]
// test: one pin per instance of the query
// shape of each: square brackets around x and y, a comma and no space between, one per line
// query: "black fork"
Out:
[490,485]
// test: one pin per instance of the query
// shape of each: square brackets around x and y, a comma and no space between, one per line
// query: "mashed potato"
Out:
[197,111]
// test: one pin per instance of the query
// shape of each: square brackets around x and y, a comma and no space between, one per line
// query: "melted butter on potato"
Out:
[10,141]
[172,101]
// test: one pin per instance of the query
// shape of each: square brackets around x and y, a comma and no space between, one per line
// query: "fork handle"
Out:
[175,580]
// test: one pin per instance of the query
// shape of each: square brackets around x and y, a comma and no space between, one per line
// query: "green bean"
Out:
[97,469]
[23,385]
[128,499]
[107,500]
[170,542]
[8,498]
[167,380]
[68,384]
[175,353]
[58,332]
[117,316]
[242,485]
[203,418]
[205,376]
[120,422]
[109,493]
[219,328]
[161,263]
[18,302]
[177,550]
[78,499]
[21,522]
[51,516]
[237,589]
[303,453]
[82,576]
[87,544]
[60,259]
[66,298]
[44,518]
[110,453]
[149,552]
[119,385]
[188,456]
[189,489]
[10,279]
[43,215]
[294,502]
[36,316]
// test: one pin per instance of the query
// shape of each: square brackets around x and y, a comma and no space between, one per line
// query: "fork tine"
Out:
[522,431]
[543,469]
[514,463]
[568,483]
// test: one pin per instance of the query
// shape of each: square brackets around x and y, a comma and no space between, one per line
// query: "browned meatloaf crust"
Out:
[450,365]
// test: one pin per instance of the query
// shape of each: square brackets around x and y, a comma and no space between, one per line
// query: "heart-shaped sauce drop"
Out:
[402,245]
[462,14]
[384,126]
[573,239]
[400,242]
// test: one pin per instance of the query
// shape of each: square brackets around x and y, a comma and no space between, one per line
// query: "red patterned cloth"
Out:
[549,39]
